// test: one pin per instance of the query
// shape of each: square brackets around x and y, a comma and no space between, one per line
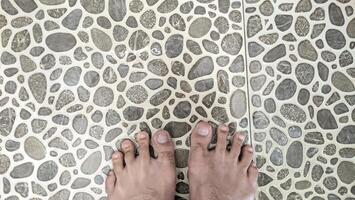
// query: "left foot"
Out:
[143,177]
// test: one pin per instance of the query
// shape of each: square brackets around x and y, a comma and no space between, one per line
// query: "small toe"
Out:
[222,134]
[110,183]
[143,142]
[237,144]
[247,157]
[200,139]
[253,173]
[128,149]
[164,148]
[117,162]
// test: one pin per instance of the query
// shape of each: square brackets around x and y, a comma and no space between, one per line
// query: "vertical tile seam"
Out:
[246,72]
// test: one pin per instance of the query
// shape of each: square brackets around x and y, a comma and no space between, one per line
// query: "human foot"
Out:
[143,177]
[220,174]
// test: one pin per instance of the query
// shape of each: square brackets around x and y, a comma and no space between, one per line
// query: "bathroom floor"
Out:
[78,76]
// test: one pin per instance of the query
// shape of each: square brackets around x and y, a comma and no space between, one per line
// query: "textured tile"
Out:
[300,73]
[76,77]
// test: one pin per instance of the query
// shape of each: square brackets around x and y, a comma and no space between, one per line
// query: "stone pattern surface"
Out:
[302,97]
[78,76]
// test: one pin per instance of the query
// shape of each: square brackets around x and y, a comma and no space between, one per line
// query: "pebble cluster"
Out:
[78,76]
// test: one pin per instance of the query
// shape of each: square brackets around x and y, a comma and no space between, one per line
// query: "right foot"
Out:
[220,174]
[143,177]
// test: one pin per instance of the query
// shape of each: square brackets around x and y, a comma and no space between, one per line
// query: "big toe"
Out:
[200,139]
[164,148]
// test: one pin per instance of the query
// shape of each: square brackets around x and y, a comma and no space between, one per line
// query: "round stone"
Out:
[304,73]
[47,171]
[177,129]
[132,113]
[276,157]
[91,163]
[260,120]
[80,124]
[293,113]
[101,40]
[91,78]
[21,41]
[342,82]
[60,42]
[326,119]
[148,19]
[294,155]
[34,148]
[335,39]
[103,96]
[200,27]
[4,163]
[137,94]
[351,28]
[174,45]
[182,109]
[232,43]
[238,104]
[93,6]
[158,67]
[346,172]
[117,9]
[286,89]
[38,86]
[138,40]
[294,131]
[72,76]
[204,66]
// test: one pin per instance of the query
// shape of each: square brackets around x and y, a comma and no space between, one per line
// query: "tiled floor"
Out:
[77,76]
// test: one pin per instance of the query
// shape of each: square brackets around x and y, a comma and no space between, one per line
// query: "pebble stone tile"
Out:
[78,76]
[301,76]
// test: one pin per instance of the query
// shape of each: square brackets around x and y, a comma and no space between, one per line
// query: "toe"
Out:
[164,148]
[237,144]
[110,183]
[117,162]
[247,157]
[253,172]
[143,142]
[128,149]
[222,133]
[200,139]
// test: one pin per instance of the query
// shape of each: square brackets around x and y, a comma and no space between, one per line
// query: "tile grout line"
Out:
[246,74]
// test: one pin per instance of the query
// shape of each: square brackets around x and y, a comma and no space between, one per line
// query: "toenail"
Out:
[224,128]
[162,138]
[249,149]
[253,163]
[141,136]
[203,131]
[126,144]
[114,156]
[241,137]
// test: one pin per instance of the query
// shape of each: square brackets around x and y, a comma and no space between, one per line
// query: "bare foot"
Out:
[143,177]
[220,174]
